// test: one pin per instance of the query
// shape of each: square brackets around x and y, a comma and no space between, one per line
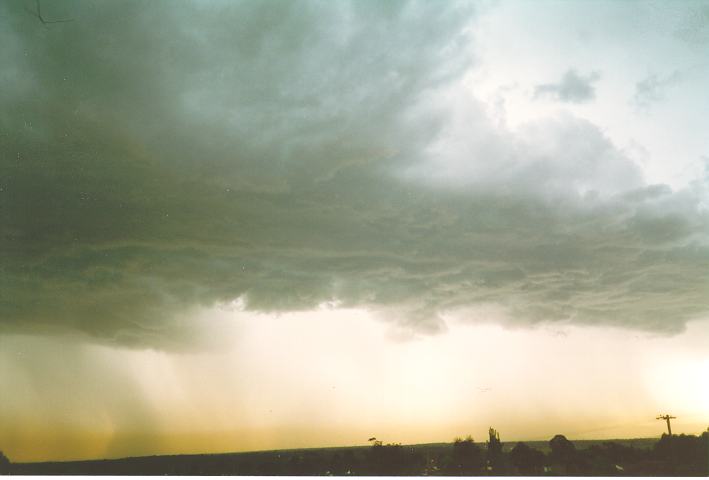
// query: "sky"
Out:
[230,226]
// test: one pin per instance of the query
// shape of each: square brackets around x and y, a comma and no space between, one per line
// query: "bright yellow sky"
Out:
[337,377]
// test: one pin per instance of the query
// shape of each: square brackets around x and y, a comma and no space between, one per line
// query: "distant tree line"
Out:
[676,455]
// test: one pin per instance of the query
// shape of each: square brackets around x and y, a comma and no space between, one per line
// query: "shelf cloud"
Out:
[290,154]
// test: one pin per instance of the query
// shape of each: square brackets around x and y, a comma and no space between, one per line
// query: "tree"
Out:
[687,454]
[562,450]
[466,458]
[494,447]
[4,464]
[393,459]
[563,453]
[527,460]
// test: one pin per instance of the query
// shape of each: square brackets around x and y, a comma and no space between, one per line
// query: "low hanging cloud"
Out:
[165,157]
[652,89]
[572,88]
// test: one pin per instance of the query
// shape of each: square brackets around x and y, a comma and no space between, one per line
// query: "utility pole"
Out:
[666,417]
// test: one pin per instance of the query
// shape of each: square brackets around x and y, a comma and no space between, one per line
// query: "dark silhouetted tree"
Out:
[494,448]
[393,459]
[4,464]
[562,450]
[466,459]
[527,460]
[563,453]
[686,454]
[610,458]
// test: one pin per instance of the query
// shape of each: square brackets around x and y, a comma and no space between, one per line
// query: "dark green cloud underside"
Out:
[159,156]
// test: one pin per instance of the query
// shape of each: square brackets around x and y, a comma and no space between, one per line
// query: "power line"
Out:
[38,13]
[667,418]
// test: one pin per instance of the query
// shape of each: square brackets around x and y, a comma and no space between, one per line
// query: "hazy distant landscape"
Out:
[677,455]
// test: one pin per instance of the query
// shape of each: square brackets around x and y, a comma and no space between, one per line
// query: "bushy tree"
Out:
[527,460]
[393,459]
[563,454]
[466,458]
[562,450]
[687,454]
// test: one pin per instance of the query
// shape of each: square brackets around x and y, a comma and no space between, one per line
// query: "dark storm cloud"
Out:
[572,88]
[160,157]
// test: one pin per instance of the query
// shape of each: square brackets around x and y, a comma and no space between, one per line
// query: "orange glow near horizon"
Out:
[337,377]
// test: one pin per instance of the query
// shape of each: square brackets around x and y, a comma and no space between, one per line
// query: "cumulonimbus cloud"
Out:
[162,157]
